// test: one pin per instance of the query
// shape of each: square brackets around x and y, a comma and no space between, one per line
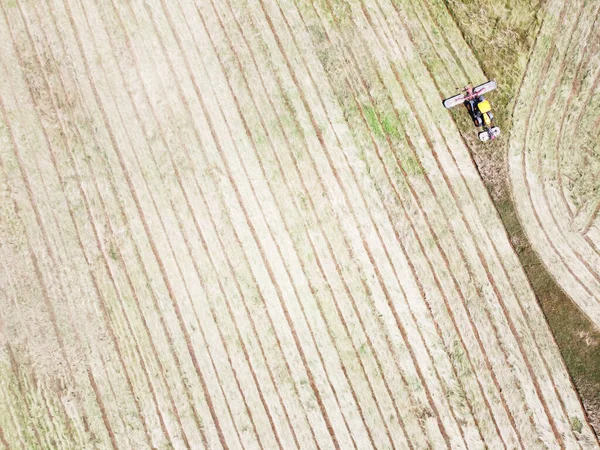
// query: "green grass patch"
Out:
[576,424]
[382,123]
[373,121]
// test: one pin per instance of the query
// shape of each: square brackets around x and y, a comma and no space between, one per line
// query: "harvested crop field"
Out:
[554,154]
[231,224]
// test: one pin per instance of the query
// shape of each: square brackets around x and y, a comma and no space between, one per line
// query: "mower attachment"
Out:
[469,94]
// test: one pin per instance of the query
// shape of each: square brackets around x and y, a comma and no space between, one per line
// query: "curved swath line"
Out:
[512,286]
[246,257]
[313,291]
[567,108]
[572,95]
[51,254]
[378,274]
[153,246]
[302,264]
[114,284]
[559,228]
[527,182]
[94,280]
[565,233]
[311,287]
[524,165]
[597,126]
[342,278]
[420,287]
[188,203]
[202,332]
[178,176]
[253,230]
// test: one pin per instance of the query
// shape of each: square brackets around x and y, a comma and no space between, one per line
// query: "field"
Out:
[555,170]
[252,224]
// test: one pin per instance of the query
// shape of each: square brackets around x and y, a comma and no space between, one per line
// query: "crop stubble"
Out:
[224,241]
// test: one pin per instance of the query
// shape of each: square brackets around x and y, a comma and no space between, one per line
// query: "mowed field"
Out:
[555,151]
[231,224]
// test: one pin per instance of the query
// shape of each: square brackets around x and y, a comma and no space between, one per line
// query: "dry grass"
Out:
[251,225]
[573,331]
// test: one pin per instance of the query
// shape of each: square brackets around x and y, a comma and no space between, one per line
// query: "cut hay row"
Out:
[554,160]
[251,225]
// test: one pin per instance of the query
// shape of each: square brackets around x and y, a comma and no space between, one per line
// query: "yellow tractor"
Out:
[478,107]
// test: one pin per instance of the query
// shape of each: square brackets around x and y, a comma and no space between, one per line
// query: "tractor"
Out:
[478,108]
